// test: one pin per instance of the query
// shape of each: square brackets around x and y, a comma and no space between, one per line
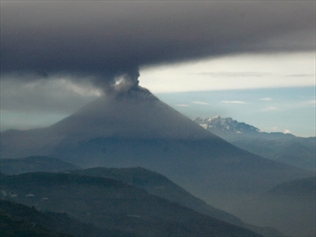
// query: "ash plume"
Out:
[105,42]
[118,83]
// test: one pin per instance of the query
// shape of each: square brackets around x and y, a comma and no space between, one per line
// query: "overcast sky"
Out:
[250,60]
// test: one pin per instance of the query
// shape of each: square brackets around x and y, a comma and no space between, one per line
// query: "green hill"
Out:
[17,227]
[18,220]
[113,205]
[161,186]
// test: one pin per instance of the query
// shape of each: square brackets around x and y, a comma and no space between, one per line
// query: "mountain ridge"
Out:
[159,185]
[285,148]
[112,204]
[33,164]
[154,183]
[228,126]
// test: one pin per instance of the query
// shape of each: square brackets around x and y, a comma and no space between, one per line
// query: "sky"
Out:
[274,92]
[253,61]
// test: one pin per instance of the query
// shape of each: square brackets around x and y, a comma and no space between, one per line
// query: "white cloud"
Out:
[266,99]
[310,102]
[287,131]
[199,103]
[244,71]
[301,104]
[182,105]
[233,74]
[233,102]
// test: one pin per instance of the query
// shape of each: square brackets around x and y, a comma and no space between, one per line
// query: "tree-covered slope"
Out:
[161,186]
[18,220]
[111,204]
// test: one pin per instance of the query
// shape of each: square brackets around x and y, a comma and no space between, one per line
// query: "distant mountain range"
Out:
[285,148]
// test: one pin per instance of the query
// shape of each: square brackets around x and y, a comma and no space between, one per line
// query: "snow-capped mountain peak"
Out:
[228,126]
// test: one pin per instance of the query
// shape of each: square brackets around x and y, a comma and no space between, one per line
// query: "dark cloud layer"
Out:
[103,40]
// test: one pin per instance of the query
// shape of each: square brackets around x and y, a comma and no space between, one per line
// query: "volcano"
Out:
[135,128]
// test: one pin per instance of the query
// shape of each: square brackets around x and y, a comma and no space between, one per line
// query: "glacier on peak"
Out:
[219,125]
